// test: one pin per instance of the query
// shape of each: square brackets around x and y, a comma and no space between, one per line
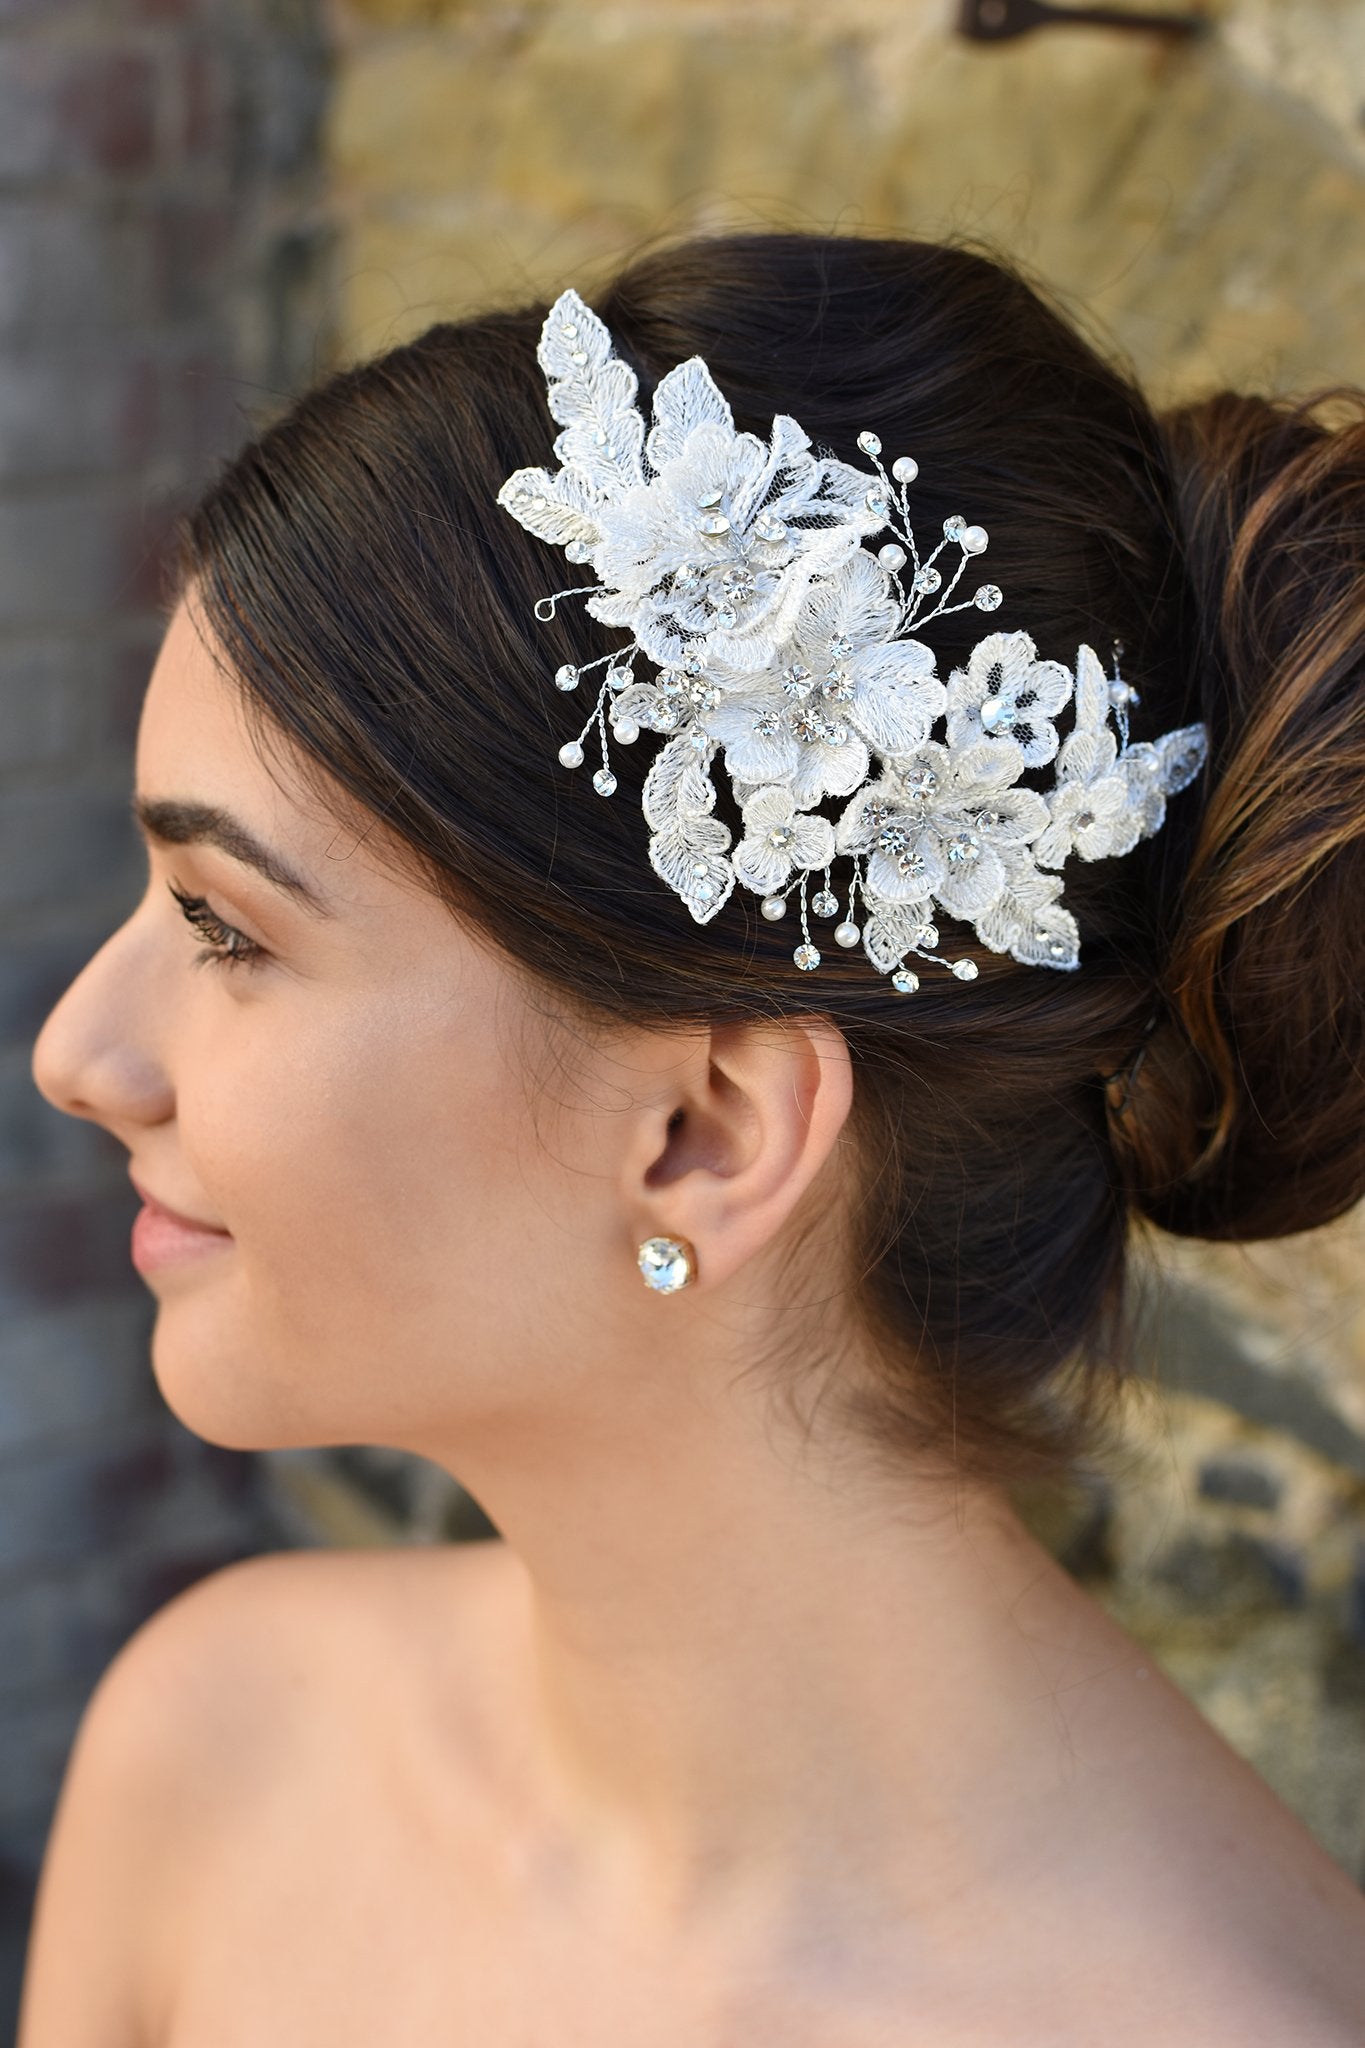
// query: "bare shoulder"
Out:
[218,1707]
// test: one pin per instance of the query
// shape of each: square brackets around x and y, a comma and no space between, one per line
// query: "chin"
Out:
[222,1393]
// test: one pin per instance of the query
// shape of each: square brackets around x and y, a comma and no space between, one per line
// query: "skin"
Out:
[753,1717]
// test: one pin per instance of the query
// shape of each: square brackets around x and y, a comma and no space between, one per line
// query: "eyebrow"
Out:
[174,823]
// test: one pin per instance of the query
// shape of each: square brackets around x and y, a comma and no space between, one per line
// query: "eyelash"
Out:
[224,945]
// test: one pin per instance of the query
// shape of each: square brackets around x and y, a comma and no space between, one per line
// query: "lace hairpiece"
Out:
[763,629]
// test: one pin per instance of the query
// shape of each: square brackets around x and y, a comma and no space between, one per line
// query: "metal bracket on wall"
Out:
[997,21]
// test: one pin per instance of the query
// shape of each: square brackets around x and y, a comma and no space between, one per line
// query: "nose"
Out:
[97,1055]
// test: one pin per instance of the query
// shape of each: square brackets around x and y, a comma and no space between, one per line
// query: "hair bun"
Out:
[1248,1117]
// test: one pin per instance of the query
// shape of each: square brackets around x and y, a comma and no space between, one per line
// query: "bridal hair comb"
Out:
[763,629]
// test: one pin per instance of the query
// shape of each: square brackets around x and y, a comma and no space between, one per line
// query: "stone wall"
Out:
[1204,202]
[161,262]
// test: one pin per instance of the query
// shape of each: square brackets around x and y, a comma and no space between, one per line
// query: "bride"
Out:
[967,922]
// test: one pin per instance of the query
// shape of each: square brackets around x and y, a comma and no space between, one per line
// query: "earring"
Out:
[667,1263]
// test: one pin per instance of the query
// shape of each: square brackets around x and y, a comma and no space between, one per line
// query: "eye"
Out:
[224,945]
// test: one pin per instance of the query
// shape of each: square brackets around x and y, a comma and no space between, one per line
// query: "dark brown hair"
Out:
[376,606]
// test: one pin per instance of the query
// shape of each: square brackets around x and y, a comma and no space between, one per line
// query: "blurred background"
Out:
[205,204]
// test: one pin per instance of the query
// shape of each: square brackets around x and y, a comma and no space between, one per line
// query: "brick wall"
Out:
[162,261]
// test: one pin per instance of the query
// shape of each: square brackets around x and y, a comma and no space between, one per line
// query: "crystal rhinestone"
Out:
[795,680]
[627,731]
[774,907]
[846,934]
[988,598]
[964,848]
[927,935]
[571,754]
[823,904]
[806,957]
[691,665]
[782,835]
[965,970]
[891,839]
[921,783]
[928,580]
[604,782]
[768,724]
[726,617]
[670,681]
[700,741]
[568,330]
[714,525]
[738,580]
[954,526]
[710,501]
[566,678]
[838,687]
[876,813]
[892,558]
[699,867]
[905,469]
[769,529]
[665,1264]
[579,356]
[997,714]
[665,719]
[840,647]
[877,501]
[869,442]
[704,892]
[905,981]
[911,863]
[974,539]
[617,677]
[576,551]
[683,576]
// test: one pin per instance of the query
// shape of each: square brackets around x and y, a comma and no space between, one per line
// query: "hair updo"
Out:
[376,606]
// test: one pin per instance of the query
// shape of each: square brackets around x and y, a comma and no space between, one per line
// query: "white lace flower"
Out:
[713,551]
[1005,690]
[779,838]
[1026,920]
[1088,804]
[848,686]
[943,824]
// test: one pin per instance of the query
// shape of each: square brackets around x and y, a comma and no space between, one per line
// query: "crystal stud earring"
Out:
[667,1263]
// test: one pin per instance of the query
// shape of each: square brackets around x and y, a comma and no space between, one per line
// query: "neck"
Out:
[740,1671]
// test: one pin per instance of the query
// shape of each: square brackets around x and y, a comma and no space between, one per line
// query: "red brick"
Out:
[204,120]
[107,109]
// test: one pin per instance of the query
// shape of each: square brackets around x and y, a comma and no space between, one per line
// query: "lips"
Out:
[177,1215]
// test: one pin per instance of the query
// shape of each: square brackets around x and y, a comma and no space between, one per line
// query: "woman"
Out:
[767,1721]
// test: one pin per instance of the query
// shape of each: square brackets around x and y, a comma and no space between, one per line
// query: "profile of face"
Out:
[412,1236]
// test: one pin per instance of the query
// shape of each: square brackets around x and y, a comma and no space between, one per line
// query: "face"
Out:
[333,1084]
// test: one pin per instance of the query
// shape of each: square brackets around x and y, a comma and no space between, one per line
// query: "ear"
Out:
[733,1135]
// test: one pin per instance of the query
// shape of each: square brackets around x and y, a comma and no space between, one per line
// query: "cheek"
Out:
[383,1182]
